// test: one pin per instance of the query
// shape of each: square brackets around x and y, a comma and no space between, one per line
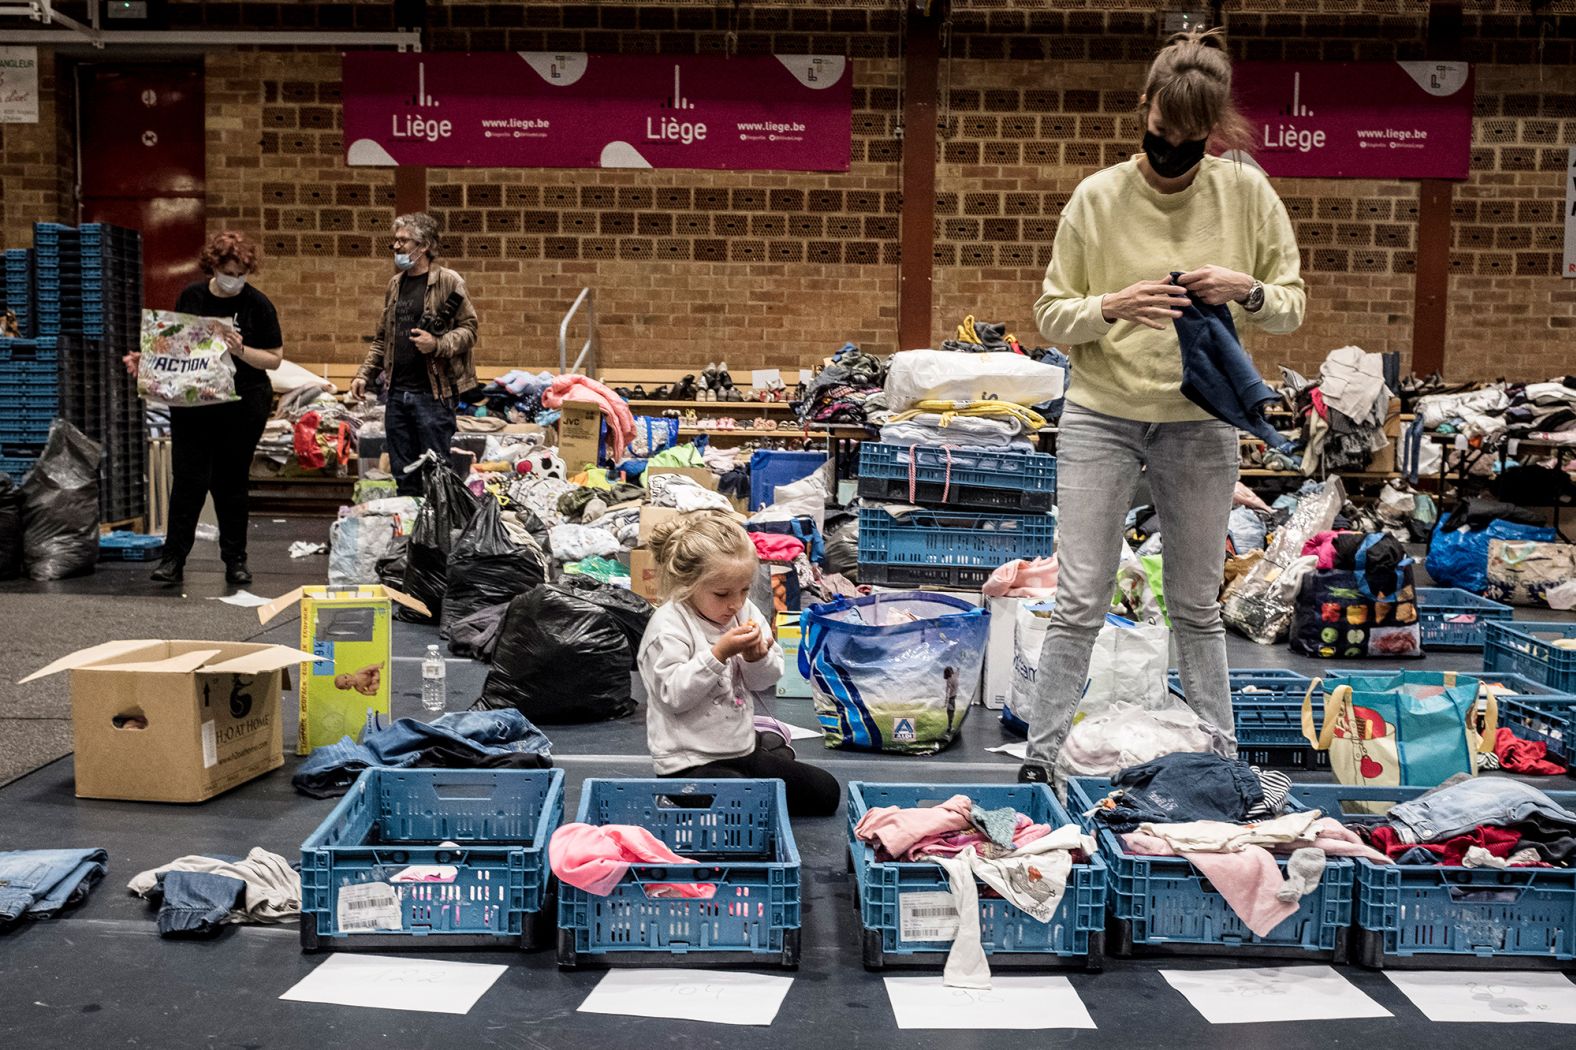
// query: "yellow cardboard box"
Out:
[345,686]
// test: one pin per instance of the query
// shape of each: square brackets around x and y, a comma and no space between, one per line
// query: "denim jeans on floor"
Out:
[39,882]
[1192,471]
[413,422]
[197,903]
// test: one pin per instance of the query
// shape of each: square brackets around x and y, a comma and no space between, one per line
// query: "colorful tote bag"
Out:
[1337,617]
[1412,728]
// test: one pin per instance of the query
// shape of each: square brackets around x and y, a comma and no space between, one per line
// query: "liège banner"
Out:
[1358,120]
[578,110]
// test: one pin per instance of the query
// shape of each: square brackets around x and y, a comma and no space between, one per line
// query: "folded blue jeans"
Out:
[40,882]
[197,903]
[1457,809]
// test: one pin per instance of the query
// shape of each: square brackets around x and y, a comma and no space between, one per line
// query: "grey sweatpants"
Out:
[1192,470]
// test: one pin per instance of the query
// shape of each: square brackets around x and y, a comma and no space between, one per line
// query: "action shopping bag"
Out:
[1412,728]
[893,672]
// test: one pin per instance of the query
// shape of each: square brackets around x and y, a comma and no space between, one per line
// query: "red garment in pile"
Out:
[1524,756]
[1501,842]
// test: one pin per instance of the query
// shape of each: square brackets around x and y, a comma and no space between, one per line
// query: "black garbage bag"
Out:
[10,529]
[391,567]
[60,506]
[842,545]
[565,653]
[476,636]
[534,526]
[486,567]
[447,505]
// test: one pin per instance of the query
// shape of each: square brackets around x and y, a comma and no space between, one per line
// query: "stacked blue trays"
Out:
[391,819]
[982,479]
[892,896]
[946,548]
[1165,903]
[770,468]
[29,395]
[1432,916]
[19,287]
[1267,707]
[122,545]
[1528,649]
[738,835]
[1454,619]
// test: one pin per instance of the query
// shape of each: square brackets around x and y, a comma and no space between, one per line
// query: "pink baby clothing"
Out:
[898,829]
[1023,579]
[951,843]
[772,546]
[596,858]
[1248,879]
[620,422]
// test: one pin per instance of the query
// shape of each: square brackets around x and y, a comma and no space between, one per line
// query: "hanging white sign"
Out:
[18,85]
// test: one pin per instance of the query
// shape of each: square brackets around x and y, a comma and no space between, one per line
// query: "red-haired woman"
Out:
[211,446]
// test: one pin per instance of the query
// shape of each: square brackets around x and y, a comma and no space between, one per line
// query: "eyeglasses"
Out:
[405,240]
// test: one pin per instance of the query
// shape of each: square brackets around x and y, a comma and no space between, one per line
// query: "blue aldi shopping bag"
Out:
[893,672]
[1413,728]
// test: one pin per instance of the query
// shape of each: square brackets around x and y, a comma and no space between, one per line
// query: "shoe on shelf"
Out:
[662,393]
[624,392]
[686,390]
[170,570]
[237,573]
[639,393]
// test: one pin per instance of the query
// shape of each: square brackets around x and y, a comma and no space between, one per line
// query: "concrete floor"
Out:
[101,976]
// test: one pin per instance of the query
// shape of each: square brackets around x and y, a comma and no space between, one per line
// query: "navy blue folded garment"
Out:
[1217,373]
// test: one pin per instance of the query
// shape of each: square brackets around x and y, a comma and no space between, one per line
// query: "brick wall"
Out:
[779,268]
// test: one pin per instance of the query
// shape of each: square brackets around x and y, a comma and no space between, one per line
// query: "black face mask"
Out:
[1170,162]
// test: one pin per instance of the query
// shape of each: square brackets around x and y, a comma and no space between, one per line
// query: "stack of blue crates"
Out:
[982,508]
[77,296]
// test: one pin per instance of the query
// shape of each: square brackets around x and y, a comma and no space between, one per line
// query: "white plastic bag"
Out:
[1125,735]
[1128,665]
[185,361]
[943,375]
[1031,621]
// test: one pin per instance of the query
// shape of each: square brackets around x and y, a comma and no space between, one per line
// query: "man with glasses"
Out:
[422,351]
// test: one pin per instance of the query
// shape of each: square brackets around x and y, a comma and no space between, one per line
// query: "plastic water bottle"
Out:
[434,691]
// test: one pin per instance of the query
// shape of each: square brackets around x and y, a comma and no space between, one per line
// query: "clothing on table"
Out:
[811,790]
[1192,472]
[965,432]
[620,421]
[409,368]
[1181,787]
[250,313]
[450,368]
[1217,373]
[1456,809]
[1523,756]
[38,883]
[701,710]
[1351,381]
[1112,232]
[211,450]
[501,739]
[196,903]
[596,858]
[272,888]
[414,423]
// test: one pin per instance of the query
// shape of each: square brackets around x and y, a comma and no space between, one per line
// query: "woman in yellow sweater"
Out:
[1109,299]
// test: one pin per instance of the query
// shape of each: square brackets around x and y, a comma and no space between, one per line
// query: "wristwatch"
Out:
[1255,298]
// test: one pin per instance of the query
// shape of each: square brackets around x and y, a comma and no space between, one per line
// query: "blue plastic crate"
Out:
[1453,619]
[1453,915]
[1547,719]
[23,431]
[1267,708]
[772,467]
[501,820]
[36,349]
[952,539]
[123,545]
[982,479]
[738,834]
[1076,931]
[1528,649]
[1165,903]
[17,466]
[1257,685]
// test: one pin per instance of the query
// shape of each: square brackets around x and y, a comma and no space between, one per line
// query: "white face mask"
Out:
[229,285]
[404,261]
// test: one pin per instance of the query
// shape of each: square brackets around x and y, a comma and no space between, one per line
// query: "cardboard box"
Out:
[651,517]
[579,436]
[699,474]
[643,575]
[345,682]
[792,685]
[1384,461]
[174,721]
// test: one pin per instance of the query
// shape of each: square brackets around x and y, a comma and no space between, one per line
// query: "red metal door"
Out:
[142,163]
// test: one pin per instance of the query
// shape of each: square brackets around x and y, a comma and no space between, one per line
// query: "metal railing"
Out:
[588,351]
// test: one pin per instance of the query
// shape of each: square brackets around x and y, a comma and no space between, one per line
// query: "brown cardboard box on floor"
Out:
[643,575]
[579,436]
[702,475]
[174,721]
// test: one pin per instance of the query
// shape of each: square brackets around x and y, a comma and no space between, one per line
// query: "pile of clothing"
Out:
[199,895]
[595,858]
[515,396]
[846,391]
[502,739]
[1236,824]
[39,883]
[989,425]
[1343,411]
[1024,863]
[1475,822]
[981,337]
